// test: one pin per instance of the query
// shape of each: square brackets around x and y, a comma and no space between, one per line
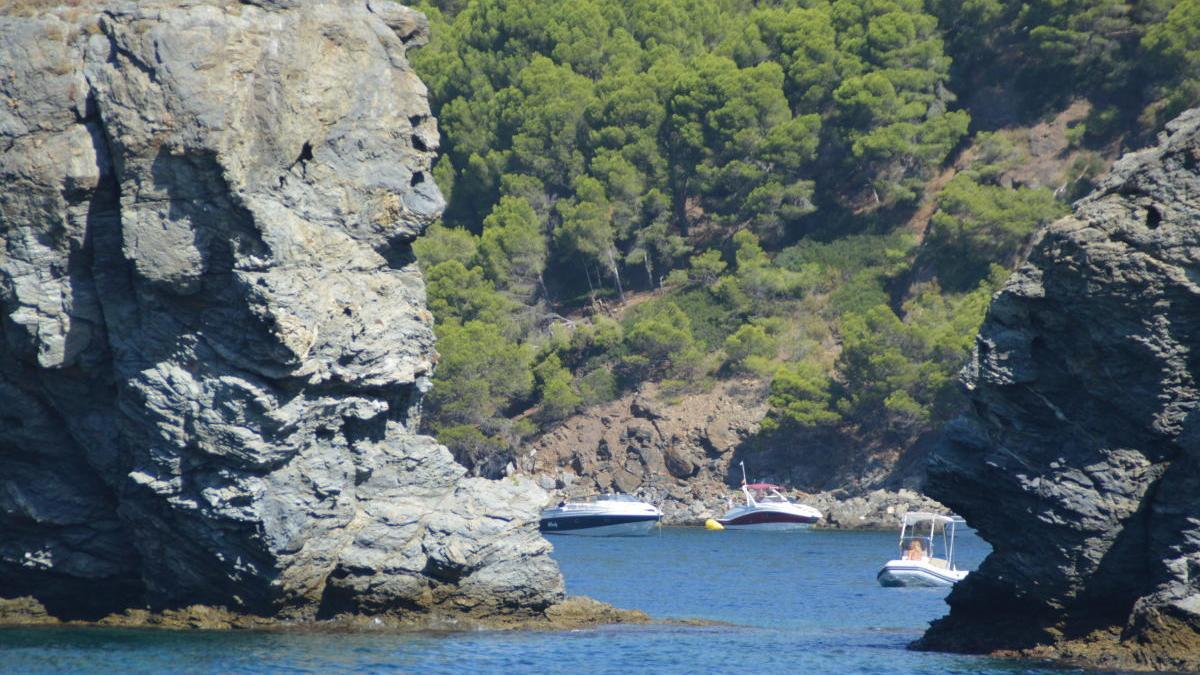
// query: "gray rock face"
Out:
[214,339]
[1080,460]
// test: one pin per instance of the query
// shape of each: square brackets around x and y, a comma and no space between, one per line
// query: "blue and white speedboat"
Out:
[919,563]
[613,515]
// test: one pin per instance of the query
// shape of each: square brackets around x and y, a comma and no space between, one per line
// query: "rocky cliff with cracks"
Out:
[213,334]
[1080,458]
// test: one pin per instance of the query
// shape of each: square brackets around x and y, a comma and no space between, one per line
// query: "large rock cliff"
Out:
[1080,458]
[214,340]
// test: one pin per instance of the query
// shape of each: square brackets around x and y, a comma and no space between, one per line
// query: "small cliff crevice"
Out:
[213,334]
[1080,458]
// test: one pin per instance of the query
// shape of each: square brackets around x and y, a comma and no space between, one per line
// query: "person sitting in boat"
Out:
[916,551]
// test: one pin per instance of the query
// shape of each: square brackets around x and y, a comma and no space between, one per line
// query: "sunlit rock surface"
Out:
[214,340]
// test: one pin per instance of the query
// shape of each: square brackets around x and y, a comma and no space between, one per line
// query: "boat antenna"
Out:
[743,465]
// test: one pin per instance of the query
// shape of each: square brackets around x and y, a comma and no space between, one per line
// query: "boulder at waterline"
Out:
[1080,457]
[214,340]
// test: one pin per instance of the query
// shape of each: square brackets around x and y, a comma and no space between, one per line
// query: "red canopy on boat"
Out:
[763,486]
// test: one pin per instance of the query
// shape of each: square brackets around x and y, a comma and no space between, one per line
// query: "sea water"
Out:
[781,602]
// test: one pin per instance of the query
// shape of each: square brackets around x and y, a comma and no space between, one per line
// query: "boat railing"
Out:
[592,500]
[615,498]
[928,528]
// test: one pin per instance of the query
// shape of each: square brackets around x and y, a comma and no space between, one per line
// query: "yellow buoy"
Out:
[713,525]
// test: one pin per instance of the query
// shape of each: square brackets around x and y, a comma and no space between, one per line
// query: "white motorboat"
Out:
[767,509]
[919,564]
[612,515]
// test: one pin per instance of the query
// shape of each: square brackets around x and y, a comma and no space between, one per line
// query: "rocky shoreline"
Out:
[683,454]
[572,613]
[1101,649]
[872,510]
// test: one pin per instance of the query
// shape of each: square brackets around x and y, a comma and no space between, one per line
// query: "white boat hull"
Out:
[607,516]
[639,528]
[771,517]
[917,573]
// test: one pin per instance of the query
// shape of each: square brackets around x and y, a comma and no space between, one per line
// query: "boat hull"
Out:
[915,573]
[768,520]
[599,525]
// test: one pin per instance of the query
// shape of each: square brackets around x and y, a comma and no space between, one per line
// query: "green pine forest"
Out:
[819,194]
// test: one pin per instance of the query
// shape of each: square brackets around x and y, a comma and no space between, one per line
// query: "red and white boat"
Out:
[767,509]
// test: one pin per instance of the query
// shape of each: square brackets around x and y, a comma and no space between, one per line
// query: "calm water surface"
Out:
[800,602]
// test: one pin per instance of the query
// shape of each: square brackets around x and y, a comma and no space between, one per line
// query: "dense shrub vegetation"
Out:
[682,190]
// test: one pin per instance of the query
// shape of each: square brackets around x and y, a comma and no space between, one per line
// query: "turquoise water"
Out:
[800,602]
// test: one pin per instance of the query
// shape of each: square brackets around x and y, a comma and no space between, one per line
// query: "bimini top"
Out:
[762,486]
[921,517]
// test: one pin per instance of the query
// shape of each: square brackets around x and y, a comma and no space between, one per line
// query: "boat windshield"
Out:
[764,493]
[768,496]
[613,498]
